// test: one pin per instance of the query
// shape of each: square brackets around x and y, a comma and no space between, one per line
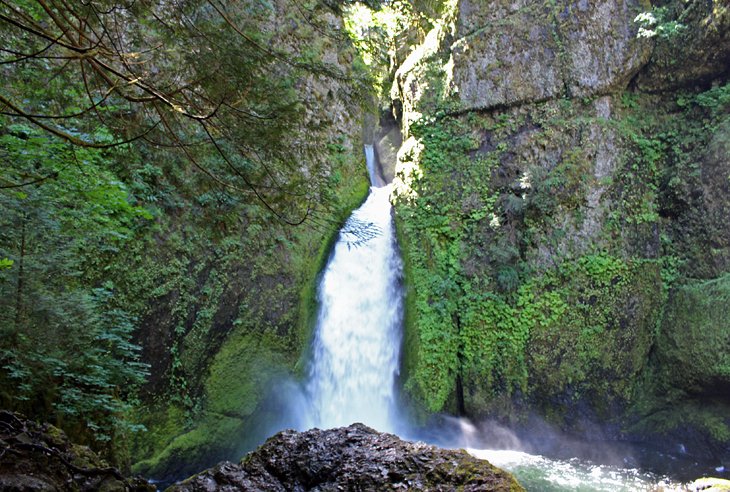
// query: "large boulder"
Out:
[350,458]
[693,349]
[685,402]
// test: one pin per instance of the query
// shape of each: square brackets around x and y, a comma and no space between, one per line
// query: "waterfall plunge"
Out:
[356,351]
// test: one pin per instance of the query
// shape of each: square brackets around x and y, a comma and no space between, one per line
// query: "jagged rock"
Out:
[350,458]
[39,457]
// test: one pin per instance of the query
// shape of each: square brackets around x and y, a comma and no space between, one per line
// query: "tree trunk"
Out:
[19,289]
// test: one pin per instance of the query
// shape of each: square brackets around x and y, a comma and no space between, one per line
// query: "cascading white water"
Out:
[358,335]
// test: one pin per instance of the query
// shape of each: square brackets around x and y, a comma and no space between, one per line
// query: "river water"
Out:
[356,354]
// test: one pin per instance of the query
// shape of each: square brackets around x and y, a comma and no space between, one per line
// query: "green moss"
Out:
[679,416]
[240,376]
[690,367]
[431,249]
[693,350]
[204,443]
[411,339]
[595,342]
[252,355]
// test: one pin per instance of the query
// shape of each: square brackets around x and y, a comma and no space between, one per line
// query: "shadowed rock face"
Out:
[350,458]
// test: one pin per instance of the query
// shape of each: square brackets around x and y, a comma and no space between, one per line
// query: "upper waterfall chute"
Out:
[371,159]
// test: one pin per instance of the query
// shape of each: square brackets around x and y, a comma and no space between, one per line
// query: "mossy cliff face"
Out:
[555,190]
[225,292]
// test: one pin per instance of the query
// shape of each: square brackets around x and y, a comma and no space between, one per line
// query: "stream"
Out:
[356,354]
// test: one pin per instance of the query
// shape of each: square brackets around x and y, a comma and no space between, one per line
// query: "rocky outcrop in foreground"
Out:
[39,457]
[350,458]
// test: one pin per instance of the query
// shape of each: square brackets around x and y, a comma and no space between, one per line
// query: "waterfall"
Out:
[352,377]
[356,352]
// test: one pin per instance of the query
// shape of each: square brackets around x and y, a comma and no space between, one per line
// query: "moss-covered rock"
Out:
[39,457]
[715,186]
[684,396]
[693,347]
[711,484]
[592,354]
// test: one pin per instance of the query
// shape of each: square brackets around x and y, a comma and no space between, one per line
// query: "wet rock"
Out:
[39,457]
[350,458]
[387,143]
